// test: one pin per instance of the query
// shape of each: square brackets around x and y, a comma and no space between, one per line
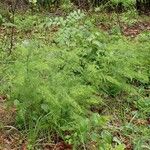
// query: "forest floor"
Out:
[12,139]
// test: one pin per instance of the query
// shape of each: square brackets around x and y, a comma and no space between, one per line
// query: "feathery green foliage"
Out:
[55,85]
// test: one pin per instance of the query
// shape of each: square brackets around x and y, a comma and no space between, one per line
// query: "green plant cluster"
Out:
[83,3]
[54,86]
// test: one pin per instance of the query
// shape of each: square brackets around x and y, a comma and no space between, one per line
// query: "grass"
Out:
[77,81]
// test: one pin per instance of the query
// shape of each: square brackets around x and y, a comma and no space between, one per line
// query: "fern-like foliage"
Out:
[53,86]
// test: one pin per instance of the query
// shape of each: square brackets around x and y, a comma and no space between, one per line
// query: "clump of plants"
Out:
[55,86]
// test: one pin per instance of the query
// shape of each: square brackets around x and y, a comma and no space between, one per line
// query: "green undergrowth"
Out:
[67,77]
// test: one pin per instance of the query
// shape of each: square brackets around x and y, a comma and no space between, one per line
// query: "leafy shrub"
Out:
[45,85]
[100,55]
